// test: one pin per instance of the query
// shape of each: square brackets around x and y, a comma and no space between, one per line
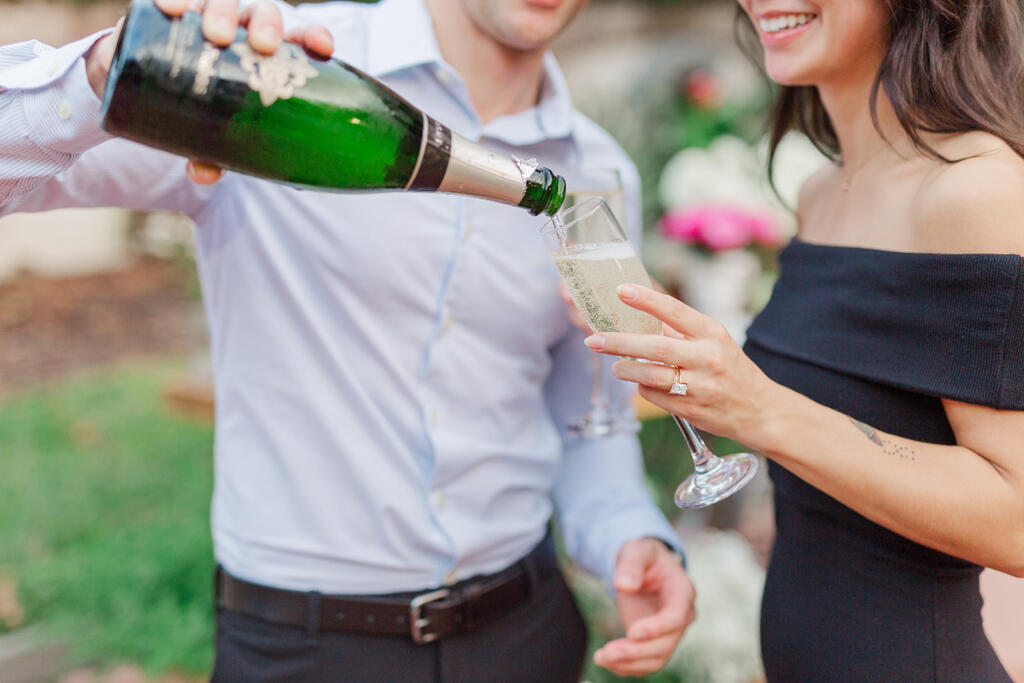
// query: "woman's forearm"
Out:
[949,498]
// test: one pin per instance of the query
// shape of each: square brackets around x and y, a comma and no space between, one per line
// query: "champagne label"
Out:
[275,77]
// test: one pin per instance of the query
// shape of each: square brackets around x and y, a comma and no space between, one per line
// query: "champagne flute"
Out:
[593,257]
[583,185]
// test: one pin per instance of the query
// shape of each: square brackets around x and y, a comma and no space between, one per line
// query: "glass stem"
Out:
[703,459]
[595,394]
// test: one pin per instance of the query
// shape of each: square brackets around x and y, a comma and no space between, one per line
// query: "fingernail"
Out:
[595,341]
[628,292]
[643,634]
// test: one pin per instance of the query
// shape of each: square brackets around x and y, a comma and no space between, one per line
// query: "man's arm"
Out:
[611,525]
[53,151]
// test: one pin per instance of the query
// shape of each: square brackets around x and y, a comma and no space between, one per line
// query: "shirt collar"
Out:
[402,37]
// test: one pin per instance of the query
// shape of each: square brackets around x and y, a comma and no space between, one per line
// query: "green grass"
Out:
[104,520]
[104,507]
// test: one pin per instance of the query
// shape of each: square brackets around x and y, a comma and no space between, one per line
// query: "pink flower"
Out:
[682,225]
[720,227]
[701,88]
[765,230]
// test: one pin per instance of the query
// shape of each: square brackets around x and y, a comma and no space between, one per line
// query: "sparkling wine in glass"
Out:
[585,184]
[594,257]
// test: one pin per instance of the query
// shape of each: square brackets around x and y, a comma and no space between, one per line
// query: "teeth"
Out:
[776,24]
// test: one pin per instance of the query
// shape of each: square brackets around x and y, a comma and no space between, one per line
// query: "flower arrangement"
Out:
[721,221]
[721,227]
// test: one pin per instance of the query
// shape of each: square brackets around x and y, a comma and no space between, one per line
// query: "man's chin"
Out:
[529,37]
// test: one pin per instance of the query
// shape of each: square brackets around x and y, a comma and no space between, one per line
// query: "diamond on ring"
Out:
[678,385]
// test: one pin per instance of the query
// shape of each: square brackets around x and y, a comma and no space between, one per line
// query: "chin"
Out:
[530,34]
[789,75]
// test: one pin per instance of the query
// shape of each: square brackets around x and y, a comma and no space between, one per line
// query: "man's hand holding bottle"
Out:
[221,19]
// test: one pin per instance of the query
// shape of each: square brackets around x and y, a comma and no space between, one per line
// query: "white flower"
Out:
[733,172]
[724,640]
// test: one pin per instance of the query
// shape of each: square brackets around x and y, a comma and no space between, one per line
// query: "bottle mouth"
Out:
[558,198]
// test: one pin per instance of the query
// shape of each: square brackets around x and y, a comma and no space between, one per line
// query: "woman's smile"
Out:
[778,28]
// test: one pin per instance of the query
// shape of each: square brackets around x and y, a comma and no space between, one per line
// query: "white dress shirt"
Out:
[393,373]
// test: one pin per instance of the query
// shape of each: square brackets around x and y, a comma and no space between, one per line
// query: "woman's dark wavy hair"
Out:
[952,66]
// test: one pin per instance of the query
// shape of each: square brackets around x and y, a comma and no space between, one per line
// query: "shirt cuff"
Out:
[644,523]
[61,108]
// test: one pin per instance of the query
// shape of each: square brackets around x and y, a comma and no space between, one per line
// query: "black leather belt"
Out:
[424,617]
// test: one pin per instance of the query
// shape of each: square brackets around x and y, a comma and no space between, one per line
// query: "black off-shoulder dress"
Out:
[881,336]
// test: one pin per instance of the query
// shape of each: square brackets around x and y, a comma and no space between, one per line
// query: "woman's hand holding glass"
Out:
[726,392]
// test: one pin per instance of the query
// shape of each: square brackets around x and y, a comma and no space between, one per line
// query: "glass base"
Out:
[728,476]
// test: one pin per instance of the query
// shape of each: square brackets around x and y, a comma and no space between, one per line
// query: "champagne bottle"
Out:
[295,119]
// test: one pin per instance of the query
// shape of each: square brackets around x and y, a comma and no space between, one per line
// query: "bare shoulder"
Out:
[814,188]
[976,204]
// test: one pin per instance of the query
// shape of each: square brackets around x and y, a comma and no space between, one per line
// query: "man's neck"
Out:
[500,80]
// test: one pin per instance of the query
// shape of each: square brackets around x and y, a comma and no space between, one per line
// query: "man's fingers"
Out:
[172,8]
[265,27]
[675,615]
[624,650]
[632,563]
[628,666]
[203,174]
[315,39]
[220,21]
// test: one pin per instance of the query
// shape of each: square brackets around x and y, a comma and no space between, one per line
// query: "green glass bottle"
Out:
[295,119]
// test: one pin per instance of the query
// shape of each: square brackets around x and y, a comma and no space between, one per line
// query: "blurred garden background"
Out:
[105,423]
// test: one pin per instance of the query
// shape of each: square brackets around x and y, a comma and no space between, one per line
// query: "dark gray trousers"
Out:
[541,641]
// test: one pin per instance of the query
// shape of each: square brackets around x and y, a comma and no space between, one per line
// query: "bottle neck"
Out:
[473,169]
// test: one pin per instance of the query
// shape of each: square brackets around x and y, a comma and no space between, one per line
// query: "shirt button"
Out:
[443,75]
[434,418]
[52,67]
[64,110]
[446,326]
[469,230]
[440,500]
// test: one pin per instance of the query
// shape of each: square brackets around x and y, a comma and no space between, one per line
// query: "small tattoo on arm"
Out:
[868,430]
[888,446]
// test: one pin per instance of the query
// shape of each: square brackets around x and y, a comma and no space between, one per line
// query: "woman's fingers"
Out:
[651,375]
[665,308]
[653,347]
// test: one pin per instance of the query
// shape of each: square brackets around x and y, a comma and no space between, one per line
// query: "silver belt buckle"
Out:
[417,622]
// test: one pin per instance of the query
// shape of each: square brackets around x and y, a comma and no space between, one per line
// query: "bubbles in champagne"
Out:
[592,273]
